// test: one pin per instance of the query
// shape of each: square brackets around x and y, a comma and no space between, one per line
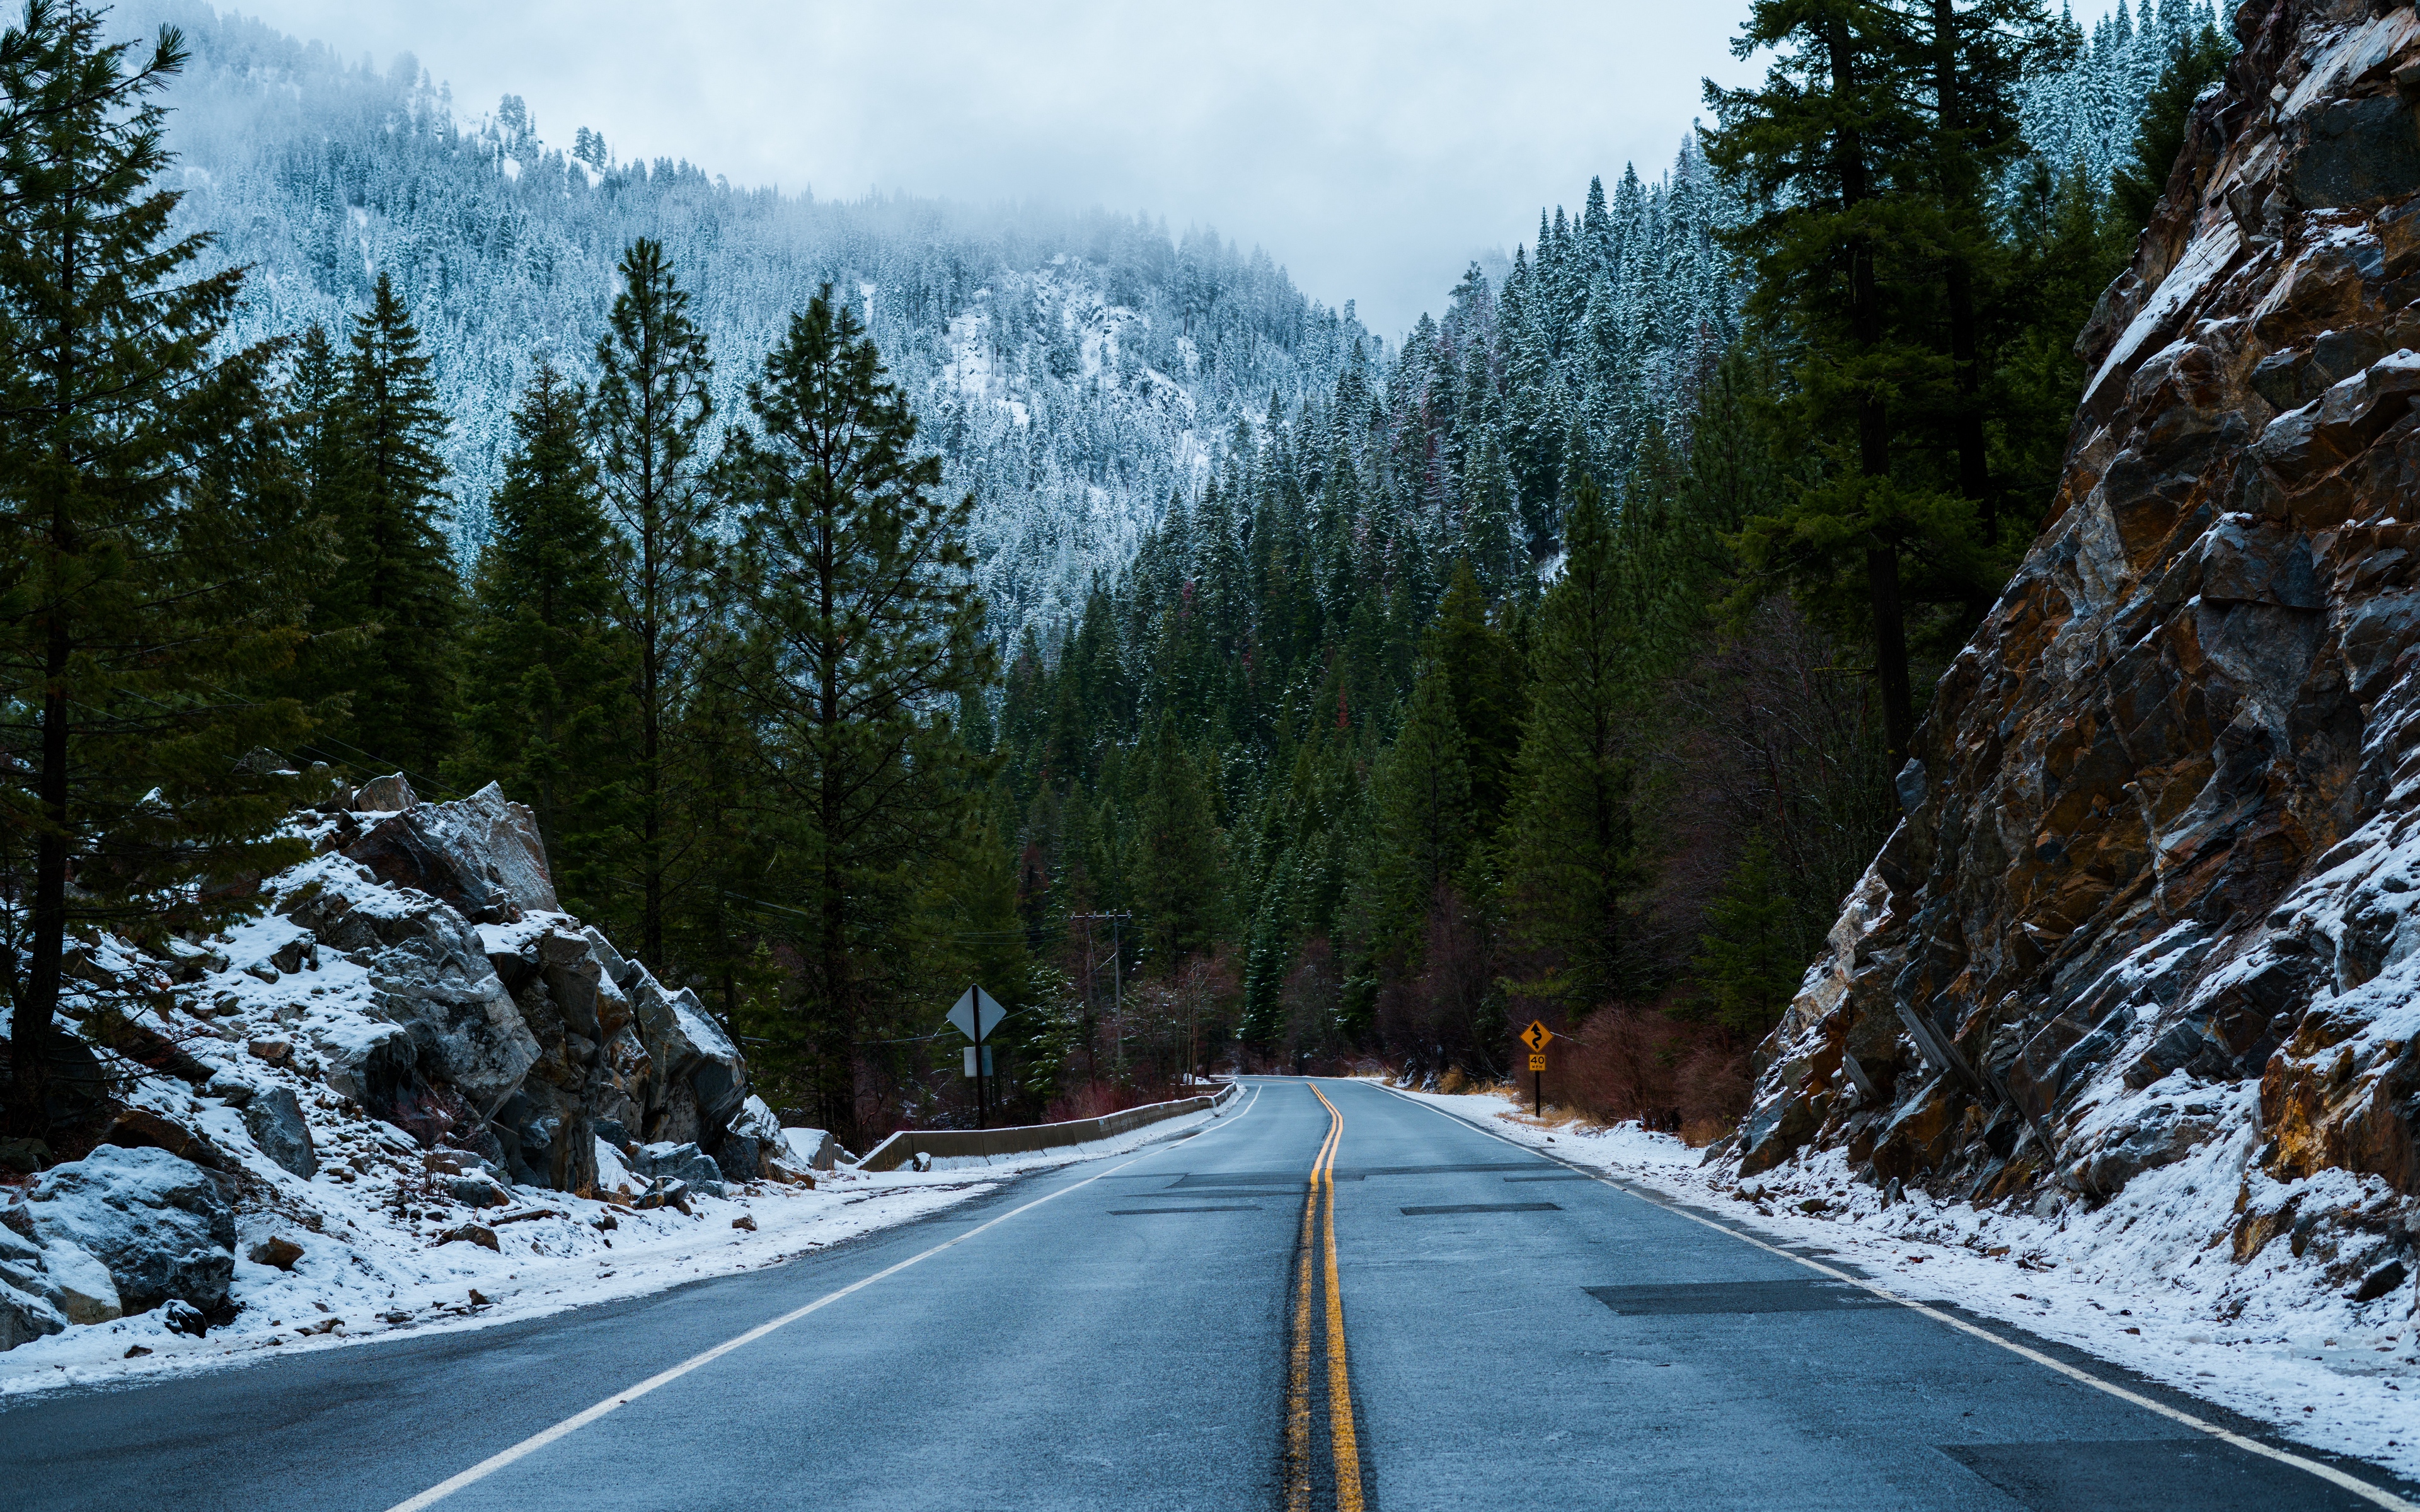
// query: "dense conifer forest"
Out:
[871,597]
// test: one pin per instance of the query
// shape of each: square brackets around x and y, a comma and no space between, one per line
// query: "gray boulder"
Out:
[230,1087]
[740,1158]
[700,1080]
[481,854]
[25,1318]
[384,794]
[371,1061]
[476,1189]
[434,981]
[273,1118]
[157,1223]
[754,1139]
[813,1149]
[667,1160]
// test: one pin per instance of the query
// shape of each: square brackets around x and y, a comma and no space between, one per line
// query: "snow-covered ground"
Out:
[363,1275]
[2141,1282]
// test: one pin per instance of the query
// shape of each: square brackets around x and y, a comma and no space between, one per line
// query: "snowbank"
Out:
[361,1276]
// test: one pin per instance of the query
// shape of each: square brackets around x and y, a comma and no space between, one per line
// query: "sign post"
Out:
[977,1013]
[1535,1037]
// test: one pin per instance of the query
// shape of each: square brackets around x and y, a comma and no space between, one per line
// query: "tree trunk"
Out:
[1974,478]
[839,1005]
[1873,418]
[29,1037]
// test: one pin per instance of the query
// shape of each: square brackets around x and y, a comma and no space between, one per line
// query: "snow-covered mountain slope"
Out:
[1074,369]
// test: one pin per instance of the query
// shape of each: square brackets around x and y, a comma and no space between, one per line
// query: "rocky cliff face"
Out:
[2157,891]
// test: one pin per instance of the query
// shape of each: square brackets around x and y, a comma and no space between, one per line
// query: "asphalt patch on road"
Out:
[1481,1206]
[1814,1295]
[2147,1475]
[1572,1177]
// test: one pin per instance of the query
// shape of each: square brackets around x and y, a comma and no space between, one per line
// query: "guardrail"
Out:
[943,1144]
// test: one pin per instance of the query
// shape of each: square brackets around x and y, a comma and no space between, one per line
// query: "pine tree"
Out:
[650,411]
[1976,55]
[1572,855]
[1821,146]
[139,595]
[1177,854]
[398,576]
[1749,960]
[550,714]
[1421,793]
[853,582]
[1486,681]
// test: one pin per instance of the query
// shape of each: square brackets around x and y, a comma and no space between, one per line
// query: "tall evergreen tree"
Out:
[1749,960]
[1177,859]
[854,584]
[1572,862]
[549,671]
[651,408]
[1485,678]
[1827,145]
[1977,50]
[135,596]
[1421,795]
[398,576]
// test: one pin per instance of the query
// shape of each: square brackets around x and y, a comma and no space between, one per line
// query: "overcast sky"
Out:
[1372,150]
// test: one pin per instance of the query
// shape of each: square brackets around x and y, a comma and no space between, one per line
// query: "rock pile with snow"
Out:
[412,1051]
[2145,951]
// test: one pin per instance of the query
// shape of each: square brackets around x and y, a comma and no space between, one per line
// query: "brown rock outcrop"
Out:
[2161,843]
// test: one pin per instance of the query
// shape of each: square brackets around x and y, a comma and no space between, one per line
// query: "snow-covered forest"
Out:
[2085,101]
[1075,368]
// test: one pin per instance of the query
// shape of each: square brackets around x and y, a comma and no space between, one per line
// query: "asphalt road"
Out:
[1333,1297]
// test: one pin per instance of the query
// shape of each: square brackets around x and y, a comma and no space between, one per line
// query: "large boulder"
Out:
[273,1118]
[157,1223]
[433,979]
[481,854]
[753,1141]
[813,1149]
[678,1161]
[370,1060]
[700,1078]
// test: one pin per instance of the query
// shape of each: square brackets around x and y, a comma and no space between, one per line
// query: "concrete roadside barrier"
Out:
[902,1148]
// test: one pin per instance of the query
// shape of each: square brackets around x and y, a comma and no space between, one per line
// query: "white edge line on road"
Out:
[536,1442]
[2330,1473]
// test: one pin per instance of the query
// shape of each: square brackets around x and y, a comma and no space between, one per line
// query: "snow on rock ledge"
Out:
[411,1047]
[2152,908]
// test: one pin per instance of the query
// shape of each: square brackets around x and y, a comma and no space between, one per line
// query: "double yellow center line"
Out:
[1316,1270]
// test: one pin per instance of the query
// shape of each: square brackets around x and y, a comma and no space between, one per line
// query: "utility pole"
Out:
[1117,976]
[1118,989]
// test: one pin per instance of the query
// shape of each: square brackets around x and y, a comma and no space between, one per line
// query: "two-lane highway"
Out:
[1334,1297]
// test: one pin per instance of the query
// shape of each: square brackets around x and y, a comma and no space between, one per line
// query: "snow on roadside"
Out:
[361,1277]
[2138,1282]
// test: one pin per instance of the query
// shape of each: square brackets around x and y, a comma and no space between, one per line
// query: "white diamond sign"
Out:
[977,1014]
